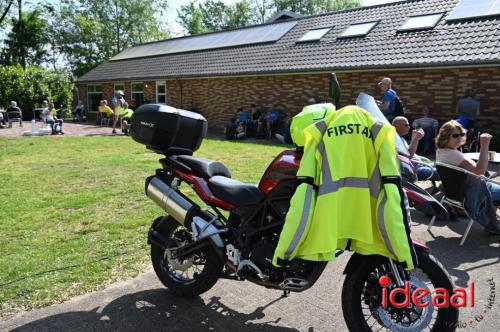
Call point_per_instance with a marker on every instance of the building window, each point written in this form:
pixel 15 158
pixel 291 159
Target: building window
pixel 137 94
pixel 161 92
pixel 94 96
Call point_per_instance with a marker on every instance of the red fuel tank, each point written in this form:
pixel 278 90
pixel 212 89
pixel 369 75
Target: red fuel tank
pixel 283 167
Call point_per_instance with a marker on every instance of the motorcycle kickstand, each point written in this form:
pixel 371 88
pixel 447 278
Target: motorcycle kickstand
pixel 286 293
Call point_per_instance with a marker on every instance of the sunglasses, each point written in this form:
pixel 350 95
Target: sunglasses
pixel 458 135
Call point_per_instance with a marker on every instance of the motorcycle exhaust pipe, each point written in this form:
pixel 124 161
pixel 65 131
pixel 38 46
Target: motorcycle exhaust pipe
pixel 175 204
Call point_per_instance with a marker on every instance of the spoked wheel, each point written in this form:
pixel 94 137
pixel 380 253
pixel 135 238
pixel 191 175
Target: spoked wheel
pixel 362 299
pixel 186 277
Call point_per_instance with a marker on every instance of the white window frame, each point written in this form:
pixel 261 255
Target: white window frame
pixel 158 83
pixel 132 91
pixel 92 93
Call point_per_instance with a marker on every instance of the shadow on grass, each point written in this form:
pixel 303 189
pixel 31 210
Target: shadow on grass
pixel 62 268
pixel 158 310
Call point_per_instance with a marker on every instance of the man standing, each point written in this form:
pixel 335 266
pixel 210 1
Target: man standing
pixel 388 102
pixel 117 103
pixel 468 107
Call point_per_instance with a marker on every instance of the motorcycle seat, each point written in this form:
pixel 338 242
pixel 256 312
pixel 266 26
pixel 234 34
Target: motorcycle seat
pixel 204 167
pixel 235 192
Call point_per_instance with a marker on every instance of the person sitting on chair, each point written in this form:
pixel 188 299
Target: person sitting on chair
pixel 450 138
pixel 425 170
pixel 15 112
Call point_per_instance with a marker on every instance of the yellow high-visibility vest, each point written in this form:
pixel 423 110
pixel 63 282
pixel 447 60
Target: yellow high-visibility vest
pixel 351 159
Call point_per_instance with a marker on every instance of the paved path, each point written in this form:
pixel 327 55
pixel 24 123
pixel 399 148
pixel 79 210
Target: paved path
pixel 143 304
pixel 69 128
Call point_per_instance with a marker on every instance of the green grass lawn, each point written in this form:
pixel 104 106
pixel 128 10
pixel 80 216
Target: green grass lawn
pixel 73 214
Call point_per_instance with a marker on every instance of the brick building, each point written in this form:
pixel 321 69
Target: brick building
pixel 432 49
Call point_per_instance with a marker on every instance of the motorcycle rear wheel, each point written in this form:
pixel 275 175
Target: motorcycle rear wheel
pixel 361 289
pixel 188 277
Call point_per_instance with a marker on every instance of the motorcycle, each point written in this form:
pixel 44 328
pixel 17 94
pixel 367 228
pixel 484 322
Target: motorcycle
pixel 191 247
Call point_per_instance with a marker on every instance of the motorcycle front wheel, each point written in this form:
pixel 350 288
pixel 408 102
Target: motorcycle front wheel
pixel 186 277
pixel 362 298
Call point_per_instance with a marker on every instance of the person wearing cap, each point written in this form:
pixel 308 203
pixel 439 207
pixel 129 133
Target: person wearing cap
pixel 117 102
pixel 388 102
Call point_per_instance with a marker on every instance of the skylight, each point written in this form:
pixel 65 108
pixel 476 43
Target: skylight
pixel 314 34
pixel 427 21
pixel 475 8
pixel 358 29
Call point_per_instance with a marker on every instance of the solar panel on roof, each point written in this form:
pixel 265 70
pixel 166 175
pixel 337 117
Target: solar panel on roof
pixel 475 8
pixel 314 34
pixel 358 29
pixel 244 36
pixel 419 22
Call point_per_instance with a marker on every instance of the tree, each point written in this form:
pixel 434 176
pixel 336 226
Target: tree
pixel 4 9
pixel 89 32
pixel 25 43
pixel 215 15
pixel 311 7
pixel 190 17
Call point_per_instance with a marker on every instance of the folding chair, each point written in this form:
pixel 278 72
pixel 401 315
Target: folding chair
pixel 15 116
pixel 453 180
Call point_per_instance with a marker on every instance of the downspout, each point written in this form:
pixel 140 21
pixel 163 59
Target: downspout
pixel 179 83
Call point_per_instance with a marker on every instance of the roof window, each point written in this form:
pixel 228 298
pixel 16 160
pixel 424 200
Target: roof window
pixel 475 8
pixel 420 22
pixel 314 34
pixel 358 29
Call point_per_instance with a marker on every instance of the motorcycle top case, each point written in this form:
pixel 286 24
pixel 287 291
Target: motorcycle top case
pixel 164 128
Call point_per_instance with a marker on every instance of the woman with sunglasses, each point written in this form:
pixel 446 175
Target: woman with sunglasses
pixel 450 138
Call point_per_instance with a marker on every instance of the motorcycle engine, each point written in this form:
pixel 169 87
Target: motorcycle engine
pixel 262 255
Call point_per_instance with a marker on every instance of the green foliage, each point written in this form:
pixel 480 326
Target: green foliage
pixel 89 32
pixel 28 87
pixel 25 43
pixel 215 15
pixel 311 7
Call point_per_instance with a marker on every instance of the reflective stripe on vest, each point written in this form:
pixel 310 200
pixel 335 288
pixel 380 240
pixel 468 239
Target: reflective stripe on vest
pixel 303 222
pixel 381 225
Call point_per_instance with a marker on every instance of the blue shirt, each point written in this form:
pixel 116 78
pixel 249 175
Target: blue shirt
pixel 389 96
pixel 468 107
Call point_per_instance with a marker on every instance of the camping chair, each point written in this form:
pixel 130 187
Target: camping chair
pixel 453 180
pixel 16 116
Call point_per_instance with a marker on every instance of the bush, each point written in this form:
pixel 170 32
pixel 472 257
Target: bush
pixel 31 86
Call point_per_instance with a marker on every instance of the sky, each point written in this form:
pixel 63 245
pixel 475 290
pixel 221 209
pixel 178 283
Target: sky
pixel 175 5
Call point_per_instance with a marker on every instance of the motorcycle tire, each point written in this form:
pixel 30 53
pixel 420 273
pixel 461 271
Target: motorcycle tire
pixel 165 265
pixel 354 289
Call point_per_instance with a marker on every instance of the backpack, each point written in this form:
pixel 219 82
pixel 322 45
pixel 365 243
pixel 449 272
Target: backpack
pixel 399 107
